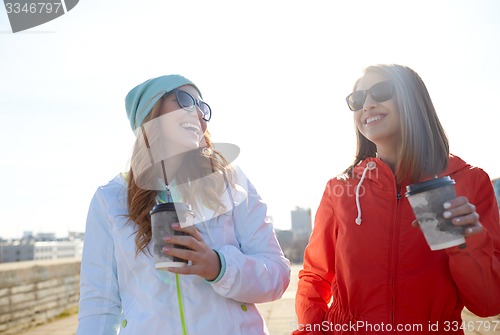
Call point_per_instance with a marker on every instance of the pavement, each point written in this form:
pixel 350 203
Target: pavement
pixel 279 315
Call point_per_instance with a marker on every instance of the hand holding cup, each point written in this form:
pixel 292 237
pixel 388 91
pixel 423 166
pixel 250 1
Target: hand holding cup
pixel 204 260
pixel 434 206
pixel 462 213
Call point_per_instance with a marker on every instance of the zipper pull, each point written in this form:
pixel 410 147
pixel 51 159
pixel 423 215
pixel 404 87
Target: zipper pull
pixel 398 196
pixel 168 195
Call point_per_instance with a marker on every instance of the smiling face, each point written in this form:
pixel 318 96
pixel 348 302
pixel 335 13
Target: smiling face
pixel 182 129
pixel 377 121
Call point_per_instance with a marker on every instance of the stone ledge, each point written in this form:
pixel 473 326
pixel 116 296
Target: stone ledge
pixel 34 292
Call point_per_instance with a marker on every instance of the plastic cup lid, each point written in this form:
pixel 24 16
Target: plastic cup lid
pixel 428 185
pixel 171 206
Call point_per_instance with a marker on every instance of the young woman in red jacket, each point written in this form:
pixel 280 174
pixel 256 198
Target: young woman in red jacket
pixel 367 269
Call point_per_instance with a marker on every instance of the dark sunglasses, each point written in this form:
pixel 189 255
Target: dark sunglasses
pixel 380 92
pixel 189 103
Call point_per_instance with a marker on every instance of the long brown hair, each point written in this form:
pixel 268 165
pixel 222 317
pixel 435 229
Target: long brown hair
pixel 141 201
pixel 424 148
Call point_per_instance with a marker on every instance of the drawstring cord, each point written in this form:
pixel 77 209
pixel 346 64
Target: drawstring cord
pixel 369 166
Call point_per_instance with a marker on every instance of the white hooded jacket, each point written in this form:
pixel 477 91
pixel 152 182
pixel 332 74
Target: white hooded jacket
pixel 124 293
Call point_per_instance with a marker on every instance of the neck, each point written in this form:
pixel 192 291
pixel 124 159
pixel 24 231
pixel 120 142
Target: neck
pixel 388 155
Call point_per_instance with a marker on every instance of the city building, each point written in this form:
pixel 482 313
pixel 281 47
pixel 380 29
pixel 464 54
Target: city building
pixel 57 249
pixel 496 186
pixel 301 221
pixel 293 242
pixel 16 251
pixel 41 246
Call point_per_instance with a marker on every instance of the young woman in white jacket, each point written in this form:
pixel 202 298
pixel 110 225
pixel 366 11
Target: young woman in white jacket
pixel 234 258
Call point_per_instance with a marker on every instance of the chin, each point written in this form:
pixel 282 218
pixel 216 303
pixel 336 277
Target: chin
pixel 192 146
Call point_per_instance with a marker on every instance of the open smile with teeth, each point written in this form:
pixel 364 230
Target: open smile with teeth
pixel 191 127
pixel 373 119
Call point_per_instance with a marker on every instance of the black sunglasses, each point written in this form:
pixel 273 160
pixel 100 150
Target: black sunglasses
pixel 189 103
pixel 380 92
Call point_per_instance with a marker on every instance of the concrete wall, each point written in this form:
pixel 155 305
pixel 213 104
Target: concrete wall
pixel 34 292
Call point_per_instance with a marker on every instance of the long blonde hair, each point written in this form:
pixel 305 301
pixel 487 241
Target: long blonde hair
pixel 424 146
pixel 208 191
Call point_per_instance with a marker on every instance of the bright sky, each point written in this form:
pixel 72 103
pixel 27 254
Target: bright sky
pixel 274 72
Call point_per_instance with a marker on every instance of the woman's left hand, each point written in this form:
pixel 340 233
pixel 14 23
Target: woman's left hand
pixel 204 261
pixel 463 213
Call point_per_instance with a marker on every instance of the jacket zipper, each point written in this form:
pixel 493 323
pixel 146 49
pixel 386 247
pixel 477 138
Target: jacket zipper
pixel 180 303
pixel 394 248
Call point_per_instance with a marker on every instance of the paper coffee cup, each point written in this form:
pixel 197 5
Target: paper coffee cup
pixel 162 218
pixel 427 199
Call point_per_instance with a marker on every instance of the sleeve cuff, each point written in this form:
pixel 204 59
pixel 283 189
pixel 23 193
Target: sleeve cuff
pixel 222 268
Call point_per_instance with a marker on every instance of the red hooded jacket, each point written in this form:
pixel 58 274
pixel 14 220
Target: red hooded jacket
pixel 380 276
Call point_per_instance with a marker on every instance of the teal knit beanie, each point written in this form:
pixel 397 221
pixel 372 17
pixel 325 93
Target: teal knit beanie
pixel 141 99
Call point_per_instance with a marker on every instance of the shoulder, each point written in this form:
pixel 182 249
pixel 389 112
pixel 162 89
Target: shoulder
pixel 108 203
pixel 471 181
pixel 236 176
pixel 459 167
pixel 238 182
pixel 113 190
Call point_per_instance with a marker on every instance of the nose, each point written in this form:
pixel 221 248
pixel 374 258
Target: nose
pixel 199 112
pixel 200 115
pixel 369 102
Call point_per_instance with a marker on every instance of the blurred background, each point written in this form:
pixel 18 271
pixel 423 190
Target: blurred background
pixel 274 72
